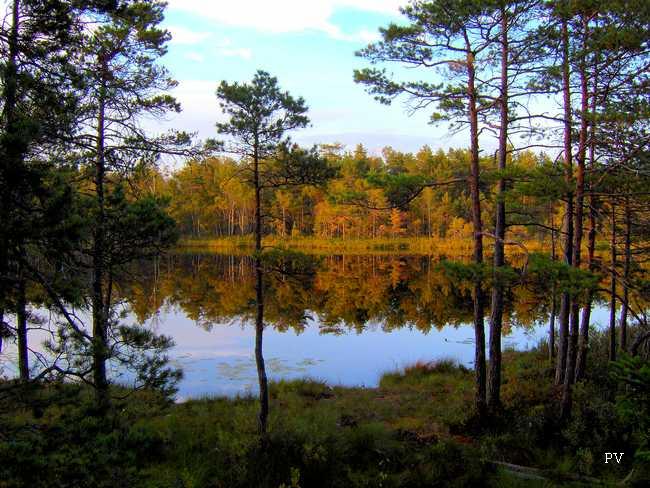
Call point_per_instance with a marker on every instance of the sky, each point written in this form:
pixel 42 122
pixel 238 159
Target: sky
pixel 310 47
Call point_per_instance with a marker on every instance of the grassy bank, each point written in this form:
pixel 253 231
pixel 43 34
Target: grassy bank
pixel 410 245
pixel 416 429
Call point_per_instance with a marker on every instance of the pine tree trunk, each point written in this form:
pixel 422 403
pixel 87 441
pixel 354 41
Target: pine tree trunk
pixel 563 331
pixel 496 315
pixel 572 349
pixel 259 297
pixel 2 327
pixel 583 340
pixel 551 326
pixel 565 303
pixel 21 319
pixel 612 300
pixel 626 274
pixel 259 355
pixel 12 153
pixel 477 295
pixel 100 321
pixel 551 323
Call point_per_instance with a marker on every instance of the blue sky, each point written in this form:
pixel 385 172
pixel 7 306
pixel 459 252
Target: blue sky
pixel 309 46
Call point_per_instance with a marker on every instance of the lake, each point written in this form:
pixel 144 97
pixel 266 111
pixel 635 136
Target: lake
pixel 346 322
pixel 342 319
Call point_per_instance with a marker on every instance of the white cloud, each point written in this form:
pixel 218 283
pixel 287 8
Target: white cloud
pixel 224 47
pixel 363 35
pixel 181 35
pixel 200 109
pixel 241 52
pixel 194 56
pixel 383 6
pixel 224 42
pixel 282 16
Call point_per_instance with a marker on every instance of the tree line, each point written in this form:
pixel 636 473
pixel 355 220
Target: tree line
pixel 210 198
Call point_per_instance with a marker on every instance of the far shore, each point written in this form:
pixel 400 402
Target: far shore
pixel 452 246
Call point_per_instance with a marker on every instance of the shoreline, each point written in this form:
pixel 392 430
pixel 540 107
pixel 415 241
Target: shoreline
pixel 425 246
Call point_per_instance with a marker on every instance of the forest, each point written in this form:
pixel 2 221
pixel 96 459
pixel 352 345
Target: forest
pixel 210 200
pixel 112 226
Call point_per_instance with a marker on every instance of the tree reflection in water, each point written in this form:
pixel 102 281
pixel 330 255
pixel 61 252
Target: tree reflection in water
pixel 345 293
pixel 337 294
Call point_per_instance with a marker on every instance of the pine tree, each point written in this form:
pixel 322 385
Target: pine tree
pixel 124 82
pixel 446 36
pixel 259 115
pixel 39 83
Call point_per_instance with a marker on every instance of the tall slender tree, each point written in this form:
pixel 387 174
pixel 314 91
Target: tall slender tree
pixel 444 36
pixel 39 82
pixel 259 116
pixel 513 66
pixel 124 83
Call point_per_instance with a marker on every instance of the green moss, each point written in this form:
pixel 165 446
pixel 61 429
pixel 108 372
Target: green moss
pixel 416 429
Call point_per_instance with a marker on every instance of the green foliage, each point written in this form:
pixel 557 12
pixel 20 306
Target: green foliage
pixel 294 166
pixel 633 373
pixel 143 352
pixel 526 383
pixel 214 443
pixel 460 272
pixel 71 447
pixel 40 90
pixel 259 114
pixel 595 427
pixel 465 272
pixel 399 189
pixel 407 433
pixel 545 181
pixel 423 372
pixel 137 229
pixel 305 388
pixel 542 270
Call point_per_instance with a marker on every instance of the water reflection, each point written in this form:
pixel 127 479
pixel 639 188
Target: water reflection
pixel 343 293
pixel 345 319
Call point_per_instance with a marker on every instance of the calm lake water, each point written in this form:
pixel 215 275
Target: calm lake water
pixel 342 319
pixel 352 319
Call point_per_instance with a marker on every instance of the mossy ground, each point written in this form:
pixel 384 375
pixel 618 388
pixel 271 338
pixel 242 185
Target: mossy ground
pixel 417 428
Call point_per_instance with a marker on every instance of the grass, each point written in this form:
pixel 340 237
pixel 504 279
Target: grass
pixel 394 435
pixel 417 428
